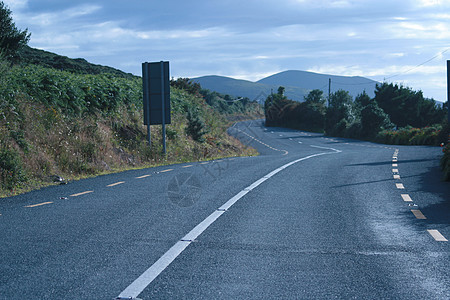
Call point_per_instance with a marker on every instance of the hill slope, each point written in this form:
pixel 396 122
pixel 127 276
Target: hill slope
pixel 28 55
pixel 87 120
pixel 297 84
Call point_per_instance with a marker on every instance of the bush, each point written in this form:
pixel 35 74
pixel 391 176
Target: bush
pixel 11 171
pixel 411 136
pixel 196 127
pixel 72 94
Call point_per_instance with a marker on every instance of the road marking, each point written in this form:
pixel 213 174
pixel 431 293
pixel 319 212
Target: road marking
pixel 437 235
pixel 275 149
pixel 400 186
pixel 418 214
pixel 114 184
pixel 300 142
pixel 143 176
pixel 396 176
pixel 39 204
pixel 83 193
pixel 188 166
pixel 137 286
pixel 395 165
pixel 204 163
pixel 395 170
pixel 168 170
pixel 406 198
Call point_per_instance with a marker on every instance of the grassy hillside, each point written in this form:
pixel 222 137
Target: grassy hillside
pixel 56 123
pixel 28 55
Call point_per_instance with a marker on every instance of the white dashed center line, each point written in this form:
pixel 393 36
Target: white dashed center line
pixel 114 184
pixel 39 204
pixel 418 214
pixel 143 176
pixel 83 193
pixel 437 235
pixel 400 186
pixel 406 198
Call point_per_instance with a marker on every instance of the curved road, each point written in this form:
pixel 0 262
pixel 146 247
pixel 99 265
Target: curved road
pixel 310 218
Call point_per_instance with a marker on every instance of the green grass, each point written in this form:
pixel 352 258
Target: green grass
pixel 75 126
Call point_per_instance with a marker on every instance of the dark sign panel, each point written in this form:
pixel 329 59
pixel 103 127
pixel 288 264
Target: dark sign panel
pixel 155 79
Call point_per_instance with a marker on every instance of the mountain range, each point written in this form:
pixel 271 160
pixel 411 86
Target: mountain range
pixel 297 85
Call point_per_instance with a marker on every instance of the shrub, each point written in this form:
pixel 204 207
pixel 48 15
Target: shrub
pixel 11 171
pixel 196 127
pixel 411 136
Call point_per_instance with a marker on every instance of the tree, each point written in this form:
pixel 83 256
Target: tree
pixel 312 112
pixel 407 107
pixel 11 38
pixel 374 120
pixel 315 96
pixel 362 100
pixel 340 113
pixel 274 107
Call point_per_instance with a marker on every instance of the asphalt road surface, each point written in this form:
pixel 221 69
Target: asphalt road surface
pixel 310 218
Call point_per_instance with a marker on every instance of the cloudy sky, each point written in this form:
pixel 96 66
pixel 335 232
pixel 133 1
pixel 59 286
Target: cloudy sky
pixel 398 41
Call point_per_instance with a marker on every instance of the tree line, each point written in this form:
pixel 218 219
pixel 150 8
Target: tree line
pixel 393 107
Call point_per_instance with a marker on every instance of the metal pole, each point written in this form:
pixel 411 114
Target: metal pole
pixel 329 91
pixel 163 108
pixel 448 89
pixel 146 100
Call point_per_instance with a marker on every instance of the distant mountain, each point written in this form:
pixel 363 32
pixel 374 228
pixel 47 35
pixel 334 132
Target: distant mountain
pixel 297 84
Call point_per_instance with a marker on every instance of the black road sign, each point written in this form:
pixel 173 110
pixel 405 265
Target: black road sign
pixel 156 86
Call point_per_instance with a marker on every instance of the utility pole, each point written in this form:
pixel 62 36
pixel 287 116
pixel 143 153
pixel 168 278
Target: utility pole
pixel 329 91
pixel 448 89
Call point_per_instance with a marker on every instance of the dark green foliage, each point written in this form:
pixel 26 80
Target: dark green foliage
pixel 31 56
pixel 73 94
pixel 361 101
pixel 373 120
pixel 361 119
pixel 11 38
pixel 315 97
pixel 228 105
pixel 309 115
pixel 340 113
pixel 196 127
pixel 11 170
pixel 407 107
pixel 186 84
pixel 275 107
pixel 411 136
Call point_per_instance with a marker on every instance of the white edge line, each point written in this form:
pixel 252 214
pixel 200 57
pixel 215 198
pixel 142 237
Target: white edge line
pixel 137 286
pixel 151 273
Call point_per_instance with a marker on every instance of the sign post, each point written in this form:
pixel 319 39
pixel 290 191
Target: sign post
pixel 156 100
